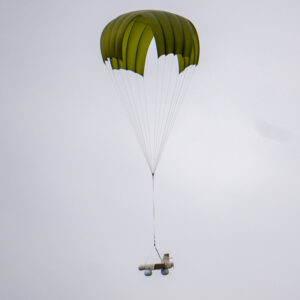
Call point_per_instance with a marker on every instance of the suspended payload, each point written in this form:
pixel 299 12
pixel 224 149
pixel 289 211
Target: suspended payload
pixel 151 56
pixel 164 265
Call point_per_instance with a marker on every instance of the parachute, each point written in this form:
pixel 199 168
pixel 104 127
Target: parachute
pixel 152 88
pixel 152 105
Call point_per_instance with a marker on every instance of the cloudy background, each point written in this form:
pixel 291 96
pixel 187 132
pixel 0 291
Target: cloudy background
pixel 75 191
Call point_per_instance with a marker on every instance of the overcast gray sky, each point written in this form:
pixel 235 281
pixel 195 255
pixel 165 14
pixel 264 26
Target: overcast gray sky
pixel 75 191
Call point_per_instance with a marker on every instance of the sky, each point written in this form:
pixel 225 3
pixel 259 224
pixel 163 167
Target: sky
pixel 75 190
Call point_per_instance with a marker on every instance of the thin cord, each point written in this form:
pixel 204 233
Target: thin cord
pixel 174 110
pixel 165 103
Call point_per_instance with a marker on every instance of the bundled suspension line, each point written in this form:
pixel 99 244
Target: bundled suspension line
pixel 154 217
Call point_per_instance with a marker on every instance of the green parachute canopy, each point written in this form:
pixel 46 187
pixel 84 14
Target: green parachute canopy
pixel 126 39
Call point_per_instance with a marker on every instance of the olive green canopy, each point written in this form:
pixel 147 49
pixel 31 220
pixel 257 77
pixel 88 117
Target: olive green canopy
pixel 126 39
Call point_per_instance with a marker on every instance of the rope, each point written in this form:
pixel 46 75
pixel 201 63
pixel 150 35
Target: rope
pixel 154 217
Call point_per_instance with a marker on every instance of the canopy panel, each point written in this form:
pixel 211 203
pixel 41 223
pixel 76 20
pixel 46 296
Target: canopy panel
pixel 126 39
